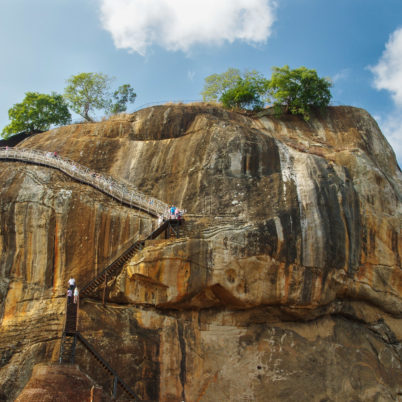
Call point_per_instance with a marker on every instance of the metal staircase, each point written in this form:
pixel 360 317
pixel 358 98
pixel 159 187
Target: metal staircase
pixel 117 381
pixel 71 317
pixel 124 193
pixel 116 266
pixel 68 349
pixel 68 339
pixel 70 333
pixel 112 269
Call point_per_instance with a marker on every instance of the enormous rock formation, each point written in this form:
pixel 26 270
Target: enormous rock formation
pixel 284 284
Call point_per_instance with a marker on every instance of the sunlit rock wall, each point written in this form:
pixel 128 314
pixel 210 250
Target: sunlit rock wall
pixel 284 281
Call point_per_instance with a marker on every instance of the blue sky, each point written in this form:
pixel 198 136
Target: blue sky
pixel 165 48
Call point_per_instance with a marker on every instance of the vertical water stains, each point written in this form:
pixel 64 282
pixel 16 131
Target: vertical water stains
pixel 290 221
pixel 183 358
pixel 352 216
pixel 50 263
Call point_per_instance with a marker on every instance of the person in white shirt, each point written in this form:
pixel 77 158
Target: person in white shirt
pixel 71 283
pixel 76 295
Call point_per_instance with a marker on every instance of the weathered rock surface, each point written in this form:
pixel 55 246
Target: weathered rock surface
pixel 62 383
pixel 284 283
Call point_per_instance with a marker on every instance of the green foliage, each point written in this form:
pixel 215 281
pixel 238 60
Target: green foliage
pixel 236 90
pixel 37 112
pixel 217 84
pixel 246 93
pixel 295 91
pixel 123 95
pixel 87 92
pixel 298 90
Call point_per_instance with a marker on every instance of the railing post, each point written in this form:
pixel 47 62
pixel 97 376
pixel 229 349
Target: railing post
pixel 104 291
pixel 115 386
pixel 73 351
pixel 77 312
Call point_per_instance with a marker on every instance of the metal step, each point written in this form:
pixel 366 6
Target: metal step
pixel 67 348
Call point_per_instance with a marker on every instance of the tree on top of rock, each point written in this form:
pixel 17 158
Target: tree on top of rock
pixel 235 89
pixel 291 91
pixel 123 95
pixel 88 92
pixel 298 90
pixel 37 112
pixel 217 84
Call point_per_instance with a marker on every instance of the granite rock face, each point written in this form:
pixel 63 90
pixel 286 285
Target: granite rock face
pixel 285 279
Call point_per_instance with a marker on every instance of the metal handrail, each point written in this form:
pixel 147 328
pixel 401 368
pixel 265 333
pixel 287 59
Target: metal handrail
pixel 116 377
pixel 114 264
pixel 121 191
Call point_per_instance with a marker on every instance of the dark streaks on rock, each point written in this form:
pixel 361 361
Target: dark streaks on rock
pixel 183 358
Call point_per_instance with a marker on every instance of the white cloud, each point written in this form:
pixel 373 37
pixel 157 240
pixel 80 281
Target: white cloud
pixel 388 71
pixel 341 75
pixel 388 75
pixel 178 24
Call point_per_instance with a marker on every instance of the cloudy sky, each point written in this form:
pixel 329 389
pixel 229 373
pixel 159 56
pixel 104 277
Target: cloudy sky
pixel 165 48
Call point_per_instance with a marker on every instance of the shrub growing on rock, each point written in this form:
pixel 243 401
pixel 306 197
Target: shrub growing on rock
pixel 37 112
pixel 87 92
pixel 292 91
pixel 298 90
pixel 236 90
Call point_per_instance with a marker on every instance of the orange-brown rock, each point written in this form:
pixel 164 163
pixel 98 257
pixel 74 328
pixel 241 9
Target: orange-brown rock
pixel 284 283
pixel 62 383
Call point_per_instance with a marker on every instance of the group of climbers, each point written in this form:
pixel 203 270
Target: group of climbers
pixel 175 213
pixel 172 213
pixel 52 154
pixel 72 292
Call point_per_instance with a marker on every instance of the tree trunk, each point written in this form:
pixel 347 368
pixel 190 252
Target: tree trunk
pixel 86 115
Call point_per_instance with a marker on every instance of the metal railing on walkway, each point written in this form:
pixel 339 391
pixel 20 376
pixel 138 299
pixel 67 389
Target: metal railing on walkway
pixel 122 192
pixel 114 268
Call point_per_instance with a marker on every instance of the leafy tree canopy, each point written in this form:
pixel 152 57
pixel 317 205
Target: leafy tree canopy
pixel 87 92
pixel 123 95
pixel 217 84
pixel 37 112
pixel 236 89
pixel 298 90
